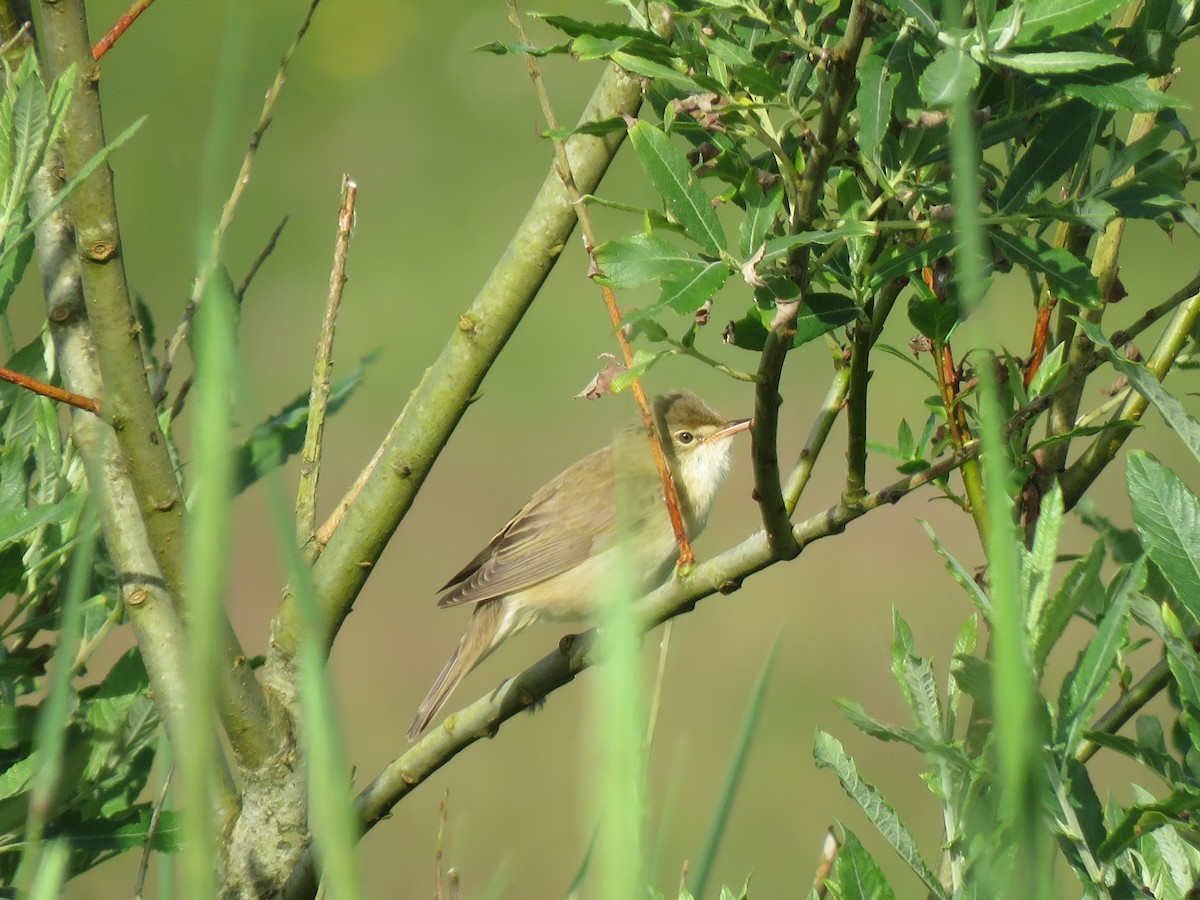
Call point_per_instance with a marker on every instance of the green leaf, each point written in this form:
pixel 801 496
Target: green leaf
pixel 1081 588
pixel 1112 89
pixel 821 313
pixel 1065 135
pixel 1057 62
pixel 829 754
pixel 1141 818
pixel 900 261
pixel 30 123
pixel 762 208
pixel 856 875
pixel 1045 19
pixel 643 362
pixel 501 48
pixel 919 10
pixel 1168 406
pixel 875 91
pixel 1066 275
pixel 671 175
pixel 687 293
pixel 965 579
pixel 934 318
pixel 1167 515
pixel 270 443
pixel 649 69
pixel 634 260
pixel 1087 681
pixel 952 74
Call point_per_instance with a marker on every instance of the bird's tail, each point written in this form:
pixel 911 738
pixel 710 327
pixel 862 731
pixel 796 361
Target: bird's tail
pixel 490 624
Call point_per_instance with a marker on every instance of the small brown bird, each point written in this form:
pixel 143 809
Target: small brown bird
pixel 552 559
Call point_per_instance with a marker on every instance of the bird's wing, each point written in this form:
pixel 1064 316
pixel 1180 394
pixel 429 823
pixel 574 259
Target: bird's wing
pixel 549 536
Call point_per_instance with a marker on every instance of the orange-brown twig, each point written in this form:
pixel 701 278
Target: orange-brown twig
pixel 670 494
pixel 128 18
pixel 1041 334
pixel 49 390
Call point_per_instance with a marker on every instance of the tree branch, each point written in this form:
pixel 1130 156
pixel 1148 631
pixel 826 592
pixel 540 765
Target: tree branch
pixel 768 488
pixel 141 447
pixel 146 598
pixel 318 402
pixel 383 496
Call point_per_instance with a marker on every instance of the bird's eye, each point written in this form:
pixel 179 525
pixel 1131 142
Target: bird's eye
pixel 685 437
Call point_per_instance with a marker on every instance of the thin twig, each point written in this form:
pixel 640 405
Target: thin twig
pixel 269 248
pixel 139 883
pixel 87 404
pixel 829 851
pixel 670 494
pixel 209 264
pixel 262 257
pixel 664 651
pixel 318 398
pixel 122 24
pixel 437 851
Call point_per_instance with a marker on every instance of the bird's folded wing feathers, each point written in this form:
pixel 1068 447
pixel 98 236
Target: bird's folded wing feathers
pixel 546 538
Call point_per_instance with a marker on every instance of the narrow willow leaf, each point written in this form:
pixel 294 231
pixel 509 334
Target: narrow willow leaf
pixel 1065 135
pixel 1167 515
pixel 672 176
pixel 272 442
pixel 1113 89
pixel 1057 62
pixel 1168 406
pixel 1044 19
pixel 856 875
pixel 30 125
pixel 1067 277
pixel 1039 563
pixel 1081 588
pixel 875 91
pixel 1158 761
pixel 829 754
pixel 965 579
pixel 1087 681
pixel 1141 818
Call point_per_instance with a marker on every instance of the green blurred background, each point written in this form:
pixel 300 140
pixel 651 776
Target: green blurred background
pixel 442 143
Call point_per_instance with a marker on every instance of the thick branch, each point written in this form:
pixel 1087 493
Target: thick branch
pixel 147 600
pixel 416 438
pixel 768 488
pixel 141 447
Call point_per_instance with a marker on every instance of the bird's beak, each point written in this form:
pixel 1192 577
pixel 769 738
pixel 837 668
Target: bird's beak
pixel 729 429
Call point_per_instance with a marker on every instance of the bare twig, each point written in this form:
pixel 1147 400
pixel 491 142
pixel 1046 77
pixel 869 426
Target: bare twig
pixel 119 27
pixel 670 494
pixel 829 852
pixel 139 883
pixel 87 404
pixel 209 263
pixel 269 248
pixel 437 852
pixel 664 651
pixel 262 257
pixel 318 401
